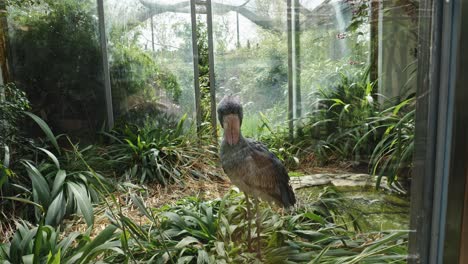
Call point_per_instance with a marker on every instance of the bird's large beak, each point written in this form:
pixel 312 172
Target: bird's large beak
pixel 231 125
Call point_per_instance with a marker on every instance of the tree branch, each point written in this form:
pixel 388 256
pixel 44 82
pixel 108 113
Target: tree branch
pixel 264 22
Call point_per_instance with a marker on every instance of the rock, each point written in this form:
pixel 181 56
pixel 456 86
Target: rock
pixel 346 179
pixel 346 182
pixel 309 181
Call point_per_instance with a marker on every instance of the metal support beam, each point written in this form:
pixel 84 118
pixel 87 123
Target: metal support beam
pixel 105 65
pixel 209 21
pixel 4 71
pixel 290 73
pixel 422 180
pixel 374 40
pixel 237 27
pixel 297 65
pixel 196 74
pixel 152 33
pixel 440 137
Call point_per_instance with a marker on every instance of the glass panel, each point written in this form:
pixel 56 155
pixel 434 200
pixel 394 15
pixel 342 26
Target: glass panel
pixel 333 44
pixel 151 62
pixel 56 58
pixel 347 70
pixel 357 81
pixel 251 59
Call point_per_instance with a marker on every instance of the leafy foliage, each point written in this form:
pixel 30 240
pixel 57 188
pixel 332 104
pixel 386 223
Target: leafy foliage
pixel 63 36
pixel 349 123
pixel 46 244
pixel 216 232
pixel 134 71
pixel 338 118
pixel 61 193
pixel 151 153
pixel 393 154
pixel 13 102
pixel 58 192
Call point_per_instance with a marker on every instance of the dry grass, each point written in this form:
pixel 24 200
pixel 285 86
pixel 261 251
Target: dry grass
pixel 154 196
pixel 310 165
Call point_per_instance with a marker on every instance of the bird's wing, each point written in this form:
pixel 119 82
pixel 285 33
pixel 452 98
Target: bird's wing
pixel 269 175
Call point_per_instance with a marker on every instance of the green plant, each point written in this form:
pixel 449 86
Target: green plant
pixel 64 36
pixel 393 154
pixel 216 232
pixel 278 142
pixel 135 72
pixel 58 191
pixel 13 102
pixel 61 193
pixel 339 119
pixel 150 153
pixel 13 142
pixel 45 244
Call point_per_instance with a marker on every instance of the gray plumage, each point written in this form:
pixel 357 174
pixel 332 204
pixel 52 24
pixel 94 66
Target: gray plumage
pixel 251 166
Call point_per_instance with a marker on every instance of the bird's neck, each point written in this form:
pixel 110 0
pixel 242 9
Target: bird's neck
pixel 241 141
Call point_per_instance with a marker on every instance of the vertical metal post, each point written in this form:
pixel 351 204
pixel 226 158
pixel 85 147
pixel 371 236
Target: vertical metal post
pixel 290 73
pixel 374 40
pixel 152 33
pixel 209 18
pixel 297 56
pixel 5 73
pixel 105 65
pixel 196 74
pixel 238 35
pixel 423 175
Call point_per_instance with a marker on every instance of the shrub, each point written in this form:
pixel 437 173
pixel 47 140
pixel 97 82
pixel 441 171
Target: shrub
pixel 45 244
pixel 153 153
pixel 57 58
pixel 392 156
pixel 12 139
pixel 134 71
pixel 338 119
pixel 216 232
pixel 61 193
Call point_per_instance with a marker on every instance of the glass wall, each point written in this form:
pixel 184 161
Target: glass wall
pixel 345 72
pixel 151 62
pixel 331 42
pixel 251 58
pixel 56 59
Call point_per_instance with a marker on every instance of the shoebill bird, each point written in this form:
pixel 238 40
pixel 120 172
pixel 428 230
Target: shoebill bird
pixel 251 166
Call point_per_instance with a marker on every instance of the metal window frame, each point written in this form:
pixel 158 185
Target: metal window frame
pixel 209 22
pixel 196 74
pixel 105 65
pixel 106 73
pixel 297 66
pixel 290 71
pixel 439 176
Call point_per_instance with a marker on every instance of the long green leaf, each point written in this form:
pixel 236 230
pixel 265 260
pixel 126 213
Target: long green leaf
pixel 40 185
pixel 56 210
pixel 101 239
pixel 24 201
pixel 187 241
pixel 83 202
pixel 58 182
pixel 38 243
pixel 51 156
pixel 46 129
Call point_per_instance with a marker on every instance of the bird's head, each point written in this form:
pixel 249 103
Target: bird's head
pixel 230 117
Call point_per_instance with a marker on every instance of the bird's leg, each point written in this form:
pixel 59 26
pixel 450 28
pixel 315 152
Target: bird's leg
pixel 259 253
pixel 249 218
